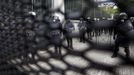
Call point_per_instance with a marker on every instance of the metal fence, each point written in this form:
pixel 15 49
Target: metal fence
pixel 24 47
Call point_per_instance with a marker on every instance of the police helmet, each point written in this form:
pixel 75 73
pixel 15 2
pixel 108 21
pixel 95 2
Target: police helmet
pixel 123 15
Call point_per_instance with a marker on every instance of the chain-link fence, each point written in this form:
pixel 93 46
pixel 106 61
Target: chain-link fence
pixel 26 49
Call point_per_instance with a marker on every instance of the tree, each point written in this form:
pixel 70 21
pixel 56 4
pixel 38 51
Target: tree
pixel 126 6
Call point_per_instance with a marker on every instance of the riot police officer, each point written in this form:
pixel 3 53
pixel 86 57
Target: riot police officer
pixel 82 30
pixel 123 26
pixel 68 29
pixel 132 20
pixel 89 28
pixel 29 33
pixel 54 33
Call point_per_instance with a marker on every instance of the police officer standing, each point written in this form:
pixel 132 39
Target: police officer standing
pixel 123 26
pixel 68 29
pixel 82 30
pixel 54 33
pixel 89 28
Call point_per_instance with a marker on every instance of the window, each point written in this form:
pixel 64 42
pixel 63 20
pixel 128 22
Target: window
pixel 38 5
pixel 74 6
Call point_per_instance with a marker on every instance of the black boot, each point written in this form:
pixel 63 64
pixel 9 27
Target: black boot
pixel 127 53
pixel 116 49
pixel 114 55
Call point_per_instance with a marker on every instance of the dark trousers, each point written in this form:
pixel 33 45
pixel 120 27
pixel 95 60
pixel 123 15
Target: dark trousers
pixel 126 49
pixel 57 49
pixel 82 36
pixel 57 43
pixel 70 42
pixel 89 35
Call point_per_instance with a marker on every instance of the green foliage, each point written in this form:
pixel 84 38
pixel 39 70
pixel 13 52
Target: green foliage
pixel 109 10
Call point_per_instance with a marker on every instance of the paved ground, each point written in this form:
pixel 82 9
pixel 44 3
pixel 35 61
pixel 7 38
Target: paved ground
pixel 82 60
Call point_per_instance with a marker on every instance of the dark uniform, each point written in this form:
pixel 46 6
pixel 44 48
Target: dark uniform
pixel 122 27
pixel 54 34
pixel 89 28
pixel 68 29
pixel 29 34
pixel 82 30
pixel 132 20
